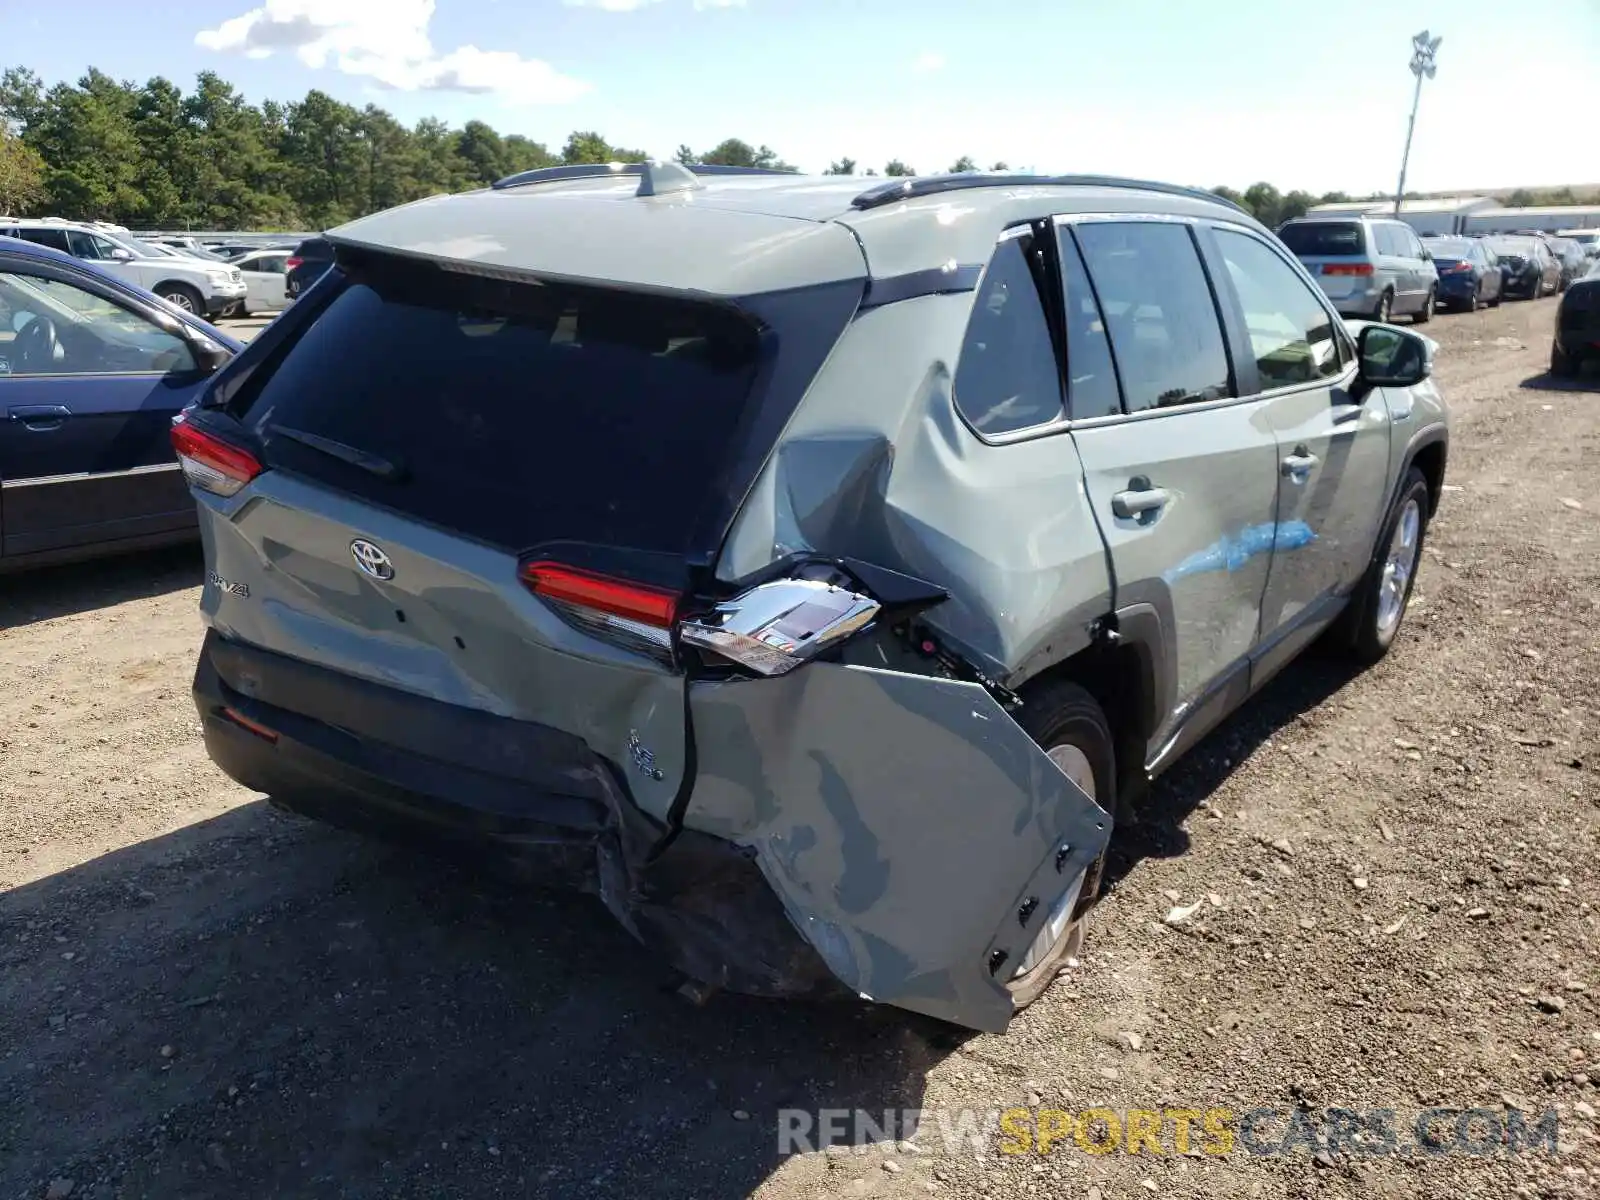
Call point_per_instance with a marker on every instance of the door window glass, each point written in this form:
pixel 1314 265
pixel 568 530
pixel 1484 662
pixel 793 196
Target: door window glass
pixel 1159 311
pixel 1291 334
pixel 1091 375
pixel 48 327
pixel 1007 378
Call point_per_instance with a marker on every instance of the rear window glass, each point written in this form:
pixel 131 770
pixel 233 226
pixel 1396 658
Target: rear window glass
pixel 1517 246
pixel 1449 247
pixel 514 413
pixel 1324 239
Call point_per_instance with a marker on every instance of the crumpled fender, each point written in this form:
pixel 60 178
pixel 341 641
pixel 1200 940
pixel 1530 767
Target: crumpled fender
pixel 914 833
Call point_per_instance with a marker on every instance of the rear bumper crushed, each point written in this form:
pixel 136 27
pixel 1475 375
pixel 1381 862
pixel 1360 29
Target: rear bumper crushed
pixel 896 833
pixel 531 800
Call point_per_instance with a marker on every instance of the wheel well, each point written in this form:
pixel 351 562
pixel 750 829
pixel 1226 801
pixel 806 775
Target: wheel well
pixel 1430 461
pixel 171 284
pixel 1120 677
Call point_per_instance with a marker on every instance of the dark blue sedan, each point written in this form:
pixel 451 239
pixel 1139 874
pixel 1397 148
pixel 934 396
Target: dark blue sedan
pixel 1469 272
pixel 92 371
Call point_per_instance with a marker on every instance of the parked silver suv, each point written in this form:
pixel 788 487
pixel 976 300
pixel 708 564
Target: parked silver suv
pixel 1368 266
pixel 812 572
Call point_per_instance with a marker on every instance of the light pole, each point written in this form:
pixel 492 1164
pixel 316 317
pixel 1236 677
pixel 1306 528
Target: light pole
pixel 1423 50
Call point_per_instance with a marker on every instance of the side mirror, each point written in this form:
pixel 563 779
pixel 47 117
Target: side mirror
pixel 209 356
pixel 1392 357
pixel 121 255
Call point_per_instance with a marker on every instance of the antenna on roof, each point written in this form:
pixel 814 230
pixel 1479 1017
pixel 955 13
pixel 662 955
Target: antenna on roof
pixel 660 178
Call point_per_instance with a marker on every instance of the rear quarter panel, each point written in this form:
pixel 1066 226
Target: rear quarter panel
pixel 877 464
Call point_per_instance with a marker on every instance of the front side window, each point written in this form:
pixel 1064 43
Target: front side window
pixel 1007 378
pixel 1292 337
pixel 57 328
pixel 1159 312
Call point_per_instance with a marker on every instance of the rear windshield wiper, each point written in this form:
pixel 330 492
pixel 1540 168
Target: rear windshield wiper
pixel 373 464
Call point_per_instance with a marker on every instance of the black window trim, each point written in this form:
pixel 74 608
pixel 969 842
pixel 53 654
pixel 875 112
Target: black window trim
pixel 1237 321
pixel 1208 268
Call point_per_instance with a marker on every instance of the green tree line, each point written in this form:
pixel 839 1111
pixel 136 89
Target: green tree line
pixel 150 155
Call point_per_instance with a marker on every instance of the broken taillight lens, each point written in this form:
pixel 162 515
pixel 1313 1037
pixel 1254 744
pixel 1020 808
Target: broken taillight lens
pixel 775 627
pixel 211 464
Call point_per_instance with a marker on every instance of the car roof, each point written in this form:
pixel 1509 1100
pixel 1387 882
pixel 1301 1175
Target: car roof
pixel 749 232
pixel 14 247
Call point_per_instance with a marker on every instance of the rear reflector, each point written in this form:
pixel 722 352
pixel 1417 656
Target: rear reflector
pixel 255 727
pixel 211 464
pixel 1347 268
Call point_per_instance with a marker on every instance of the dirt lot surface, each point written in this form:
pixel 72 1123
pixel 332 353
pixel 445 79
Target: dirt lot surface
pixel 200 997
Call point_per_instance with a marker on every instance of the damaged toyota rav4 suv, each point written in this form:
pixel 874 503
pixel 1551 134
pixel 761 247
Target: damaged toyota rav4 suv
pixel 808 571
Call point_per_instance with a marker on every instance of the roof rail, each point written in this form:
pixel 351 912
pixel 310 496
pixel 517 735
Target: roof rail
pixel 932 185
pixel 616 170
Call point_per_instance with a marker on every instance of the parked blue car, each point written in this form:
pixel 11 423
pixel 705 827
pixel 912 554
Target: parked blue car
pixel 92 372
pixel 1469 271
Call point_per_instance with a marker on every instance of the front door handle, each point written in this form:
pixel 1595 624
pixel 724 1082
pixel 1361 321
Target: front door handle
pixel 1298 465
pixel 40 417
pixel 1135 503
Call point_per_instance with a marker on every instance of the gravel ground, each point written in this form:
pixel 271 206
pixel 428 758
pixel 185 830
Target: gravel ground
pixel 200 997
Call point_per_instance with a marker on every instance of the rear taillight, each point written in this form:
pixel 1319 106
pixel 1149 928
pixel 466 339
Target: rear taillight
pixel 1347 268
pixel 211 464
pixel 1459 268
pixel 293 261
pixel 634 615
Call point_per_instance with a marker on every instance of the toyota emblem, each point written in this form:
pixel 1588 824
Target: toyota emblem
pixel 371 559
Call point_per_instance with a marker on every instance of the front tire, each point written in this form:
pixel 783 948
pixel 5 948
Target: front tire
pixel 1069 724
pixel 183 296
pixel 1372 619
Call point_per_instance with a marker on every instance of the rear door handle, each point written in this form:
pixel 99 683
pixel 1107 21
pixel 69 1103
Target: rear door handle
pixel 40 417
pixel 1137 503
pixel 1298 465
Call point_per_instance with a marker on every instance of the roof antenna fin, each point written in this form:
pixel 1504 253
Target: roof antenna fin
pixel 661 178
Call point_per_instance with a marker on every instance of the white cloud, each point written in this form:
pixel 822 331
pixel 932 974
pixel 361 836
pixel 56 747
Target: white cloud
pixel 705 4
pixel 386 41
pixel 928 62
pixel 609 5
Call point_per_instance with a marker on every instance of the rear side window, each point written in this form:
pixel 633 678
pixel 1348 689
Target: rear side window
pixel 1292 337
pixel 1159 311
pixel 1325 239
pixel 1007 378
pixel 514 413
pixel 56 239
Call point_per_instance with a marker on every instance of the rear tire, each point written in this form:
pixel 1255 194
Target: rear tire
pixel 1472 301
pixel 1069 724
pixel 1425 313
pixel 1385 308
pixel 1562 364
pixel 184 297
pixel 1371 621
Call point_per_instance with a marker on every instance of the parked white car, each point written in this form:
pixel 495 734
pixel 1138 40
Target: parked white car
pixel 264 272
pixel 194 285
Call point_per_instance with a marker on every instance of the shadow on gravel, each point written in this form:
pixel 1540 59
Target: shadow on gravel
pixel 1158 830
pixel 1586 381
pixel 39 595
pixel 257 1006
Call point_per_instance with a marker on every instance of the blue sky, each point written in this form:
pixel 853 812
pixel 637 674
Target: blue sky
pixel 1302 95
